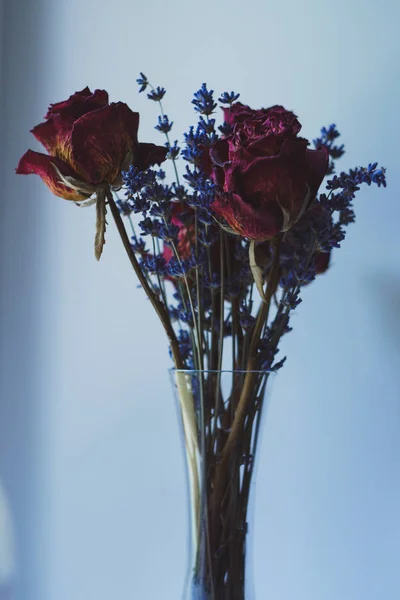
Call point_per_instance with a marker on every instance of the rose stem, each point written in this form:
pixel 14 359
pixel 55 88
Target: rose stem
pixel 262 318
pixel 158 306
pixel 221 333
pixel 246 396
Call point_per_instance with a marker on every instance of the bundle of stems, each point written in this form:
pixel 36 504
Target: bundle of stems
pixel 221 432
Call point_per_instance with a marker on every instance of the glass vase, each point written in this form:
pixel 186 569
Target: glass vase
pixel 220 414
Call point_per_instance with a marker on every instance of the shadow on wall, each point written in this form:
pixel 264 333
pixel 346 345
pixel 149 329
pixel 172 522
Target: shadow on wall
pixel 25 29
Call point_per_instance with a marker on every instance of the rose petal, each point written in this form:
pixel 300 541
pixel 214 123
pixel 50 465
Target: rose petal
pixel 294 151
pixel 282 122
pixel 219 153
pixel 321 261
pixel 79 104
pixel 168 253
pixel 57 106
pixel 269 181
pixel 258 224
pixel 55 135
pixel 272 184
pixel 181 214
pixel 215 158
pixel 318 163
pixel 267 145
pixel 101 140
pixel 43 165
pixel 149 155
pixel 237 113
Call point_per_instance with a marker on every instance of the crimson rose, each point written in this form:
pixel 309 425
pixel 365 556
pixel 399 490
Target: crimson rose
pixel 89 142
pixel 267 176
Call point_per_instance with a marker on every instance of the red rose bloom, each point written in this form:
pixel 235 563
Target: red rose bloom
pixel 89 142
pixel 266 174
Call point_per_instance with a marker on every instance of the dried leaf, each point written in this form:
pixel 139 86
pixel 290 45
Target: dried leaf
pixel 82 187
pixel 288 222
pixel 226 228
pixel 101 212
pixel 85 203
pixel 257 271
pixel 305 204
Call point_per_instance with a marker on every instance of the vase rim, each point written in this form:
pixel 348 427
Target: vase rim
pixel 193 371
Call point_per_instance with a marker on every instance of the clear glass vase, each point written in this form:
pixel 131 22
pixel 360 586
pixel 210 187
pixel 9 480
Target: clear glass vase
pixel 220 414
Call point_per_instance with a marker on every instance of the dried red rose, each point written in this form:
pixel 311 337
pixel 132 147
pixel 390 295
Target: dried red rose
pixel 89 141
pixel 266 174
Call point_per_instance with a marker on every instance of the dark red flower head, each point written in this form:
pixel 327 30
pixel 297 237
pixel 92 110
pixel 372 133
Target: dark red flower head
pixel 266 175
pixel 89 142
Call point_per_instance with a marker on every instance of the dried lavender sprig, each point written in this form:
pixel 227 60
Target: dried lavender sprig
pixel 157 94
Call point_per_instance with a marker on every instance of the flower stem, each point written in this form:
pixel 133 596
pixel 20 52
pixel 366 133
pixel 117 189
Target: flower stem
pixel 247 393
pixel 252 364
pixel 157 305
pixel 167 136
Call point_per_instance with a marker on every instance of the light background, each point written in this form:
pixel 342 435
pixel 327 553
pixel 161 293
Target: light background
pixel 89 449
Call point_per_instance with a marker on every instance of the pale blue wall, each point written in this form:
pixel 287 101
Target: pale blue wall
pixel 84 385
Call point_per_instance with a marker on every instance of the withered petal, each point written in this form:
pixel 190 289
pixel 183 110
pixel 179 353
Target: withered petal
pixel 78 104
pixel 55 132
pixel 321 261
pixel 43 165
pixel 149 155
pixel 219 153
pixel 55 135
pixel 58 106
pixel 318 163
pixel 101 139
pixel 253 223
pixel 46 134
